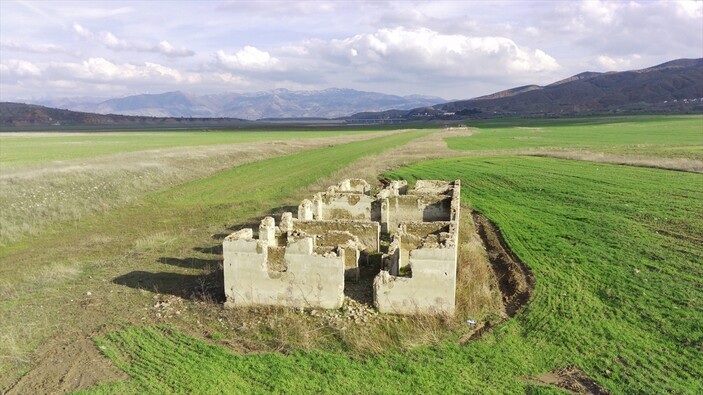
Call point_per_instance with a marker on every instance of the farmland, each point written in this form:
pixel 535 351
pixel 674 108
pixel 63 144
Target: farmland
pixel 615 251
pixel 671 137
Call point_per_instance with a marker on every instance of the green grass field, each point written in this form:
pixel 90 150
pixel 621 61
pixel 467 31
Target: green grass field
pixel 40 277
pixel 619 293
pixel 27 149
pixel 616 252
pixel 680 137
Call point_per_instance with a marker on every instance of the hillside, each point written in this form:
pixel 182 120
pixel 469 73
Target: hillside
pixel 20 114
pixel 279 103
pixel 665 87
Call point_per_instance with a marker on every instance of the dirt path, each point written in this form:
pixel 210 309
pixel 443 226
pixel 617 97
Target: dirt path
pixel 429 147
pixel 70 361
pixel 64 362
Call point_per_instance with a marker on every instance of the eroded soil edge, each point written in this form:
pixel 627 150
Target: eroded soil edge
pixel 516 283
pixel 515 280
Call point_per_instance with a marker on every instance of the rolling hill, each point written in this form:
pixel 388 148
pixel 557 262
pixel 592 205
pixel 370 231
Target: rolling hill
pixel 665 87
pixel 20 114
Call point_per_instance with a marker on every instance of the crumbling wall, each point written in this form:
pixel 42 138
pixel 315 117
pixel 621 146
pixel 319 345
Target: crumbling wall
pixel 431 289
pixel 305 261
pixel 368 233
pixel 333 240
pixel 332 205
pixel 300 279
pixel 419 271
pixel 429 201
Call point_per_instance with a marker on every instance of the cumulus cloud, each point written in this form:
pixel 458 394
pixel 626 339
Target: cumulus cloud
pixel 448 48
pixel 423 50
pixel 618 63
pixel 110 41
pixel 99 70
pixel 249 58
pixel 692 9
pixel 19 68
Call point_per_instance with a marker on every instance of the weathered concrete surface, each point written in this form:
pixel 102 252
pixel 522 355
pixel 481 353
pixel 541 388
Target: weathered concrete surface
pixel 419 270
pixel 431 285
pixel 329 206
pixel 308 279
pixel 431 289
pixel 368 233
pixel 305 261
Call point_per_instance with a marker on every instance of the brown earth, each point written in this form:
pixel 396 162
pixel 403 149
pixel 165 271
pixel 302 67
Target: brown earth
pixel 572 379
pixel 514 279
pixel 66 366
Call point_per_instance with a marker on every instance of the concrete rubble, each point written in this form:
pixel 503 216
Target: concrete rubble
pixel 304 262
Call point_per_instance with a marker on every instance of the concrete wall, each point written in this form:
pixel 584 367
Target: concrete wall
pixel 430 290
pixel 329 206
pixel 305 279
pixel 304 261
pixel 414 208
pixel 419 273
pixel 368 233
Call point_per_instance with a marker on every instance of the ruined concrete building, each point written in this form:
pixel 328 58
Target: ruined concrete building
pixel 305 261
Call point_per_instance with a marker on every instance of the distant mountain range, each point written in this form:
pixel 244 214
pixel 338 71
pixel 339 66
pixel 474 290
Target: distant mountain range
pixel 674 86
pixel 279 103
pixel 20 115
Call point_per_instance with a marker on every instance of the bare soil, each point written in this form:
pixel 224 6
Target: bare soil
pixel 66 366
pixel 571 379
pixel 515 280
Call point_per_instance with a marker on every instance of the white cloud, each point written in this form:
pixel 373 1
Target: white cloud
pixel 81 31
pixel 100 69
pixel 690 9
pixel 604 12
pixel 449 48
pixel 19 68
pixel 39 48
pixel 110 41
pixel 249 58
pixel 97 70
pixel 423 50
pixel 618 63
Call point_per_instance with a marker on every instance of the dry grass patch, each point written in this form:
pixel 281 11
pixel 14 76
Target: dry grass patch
pixel 36 198
pixel 432 146
pixel 681 164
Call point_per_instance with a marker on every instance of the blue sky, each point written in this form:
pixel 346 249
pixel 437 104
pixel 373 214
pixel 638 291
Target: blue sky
pixel 452 49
